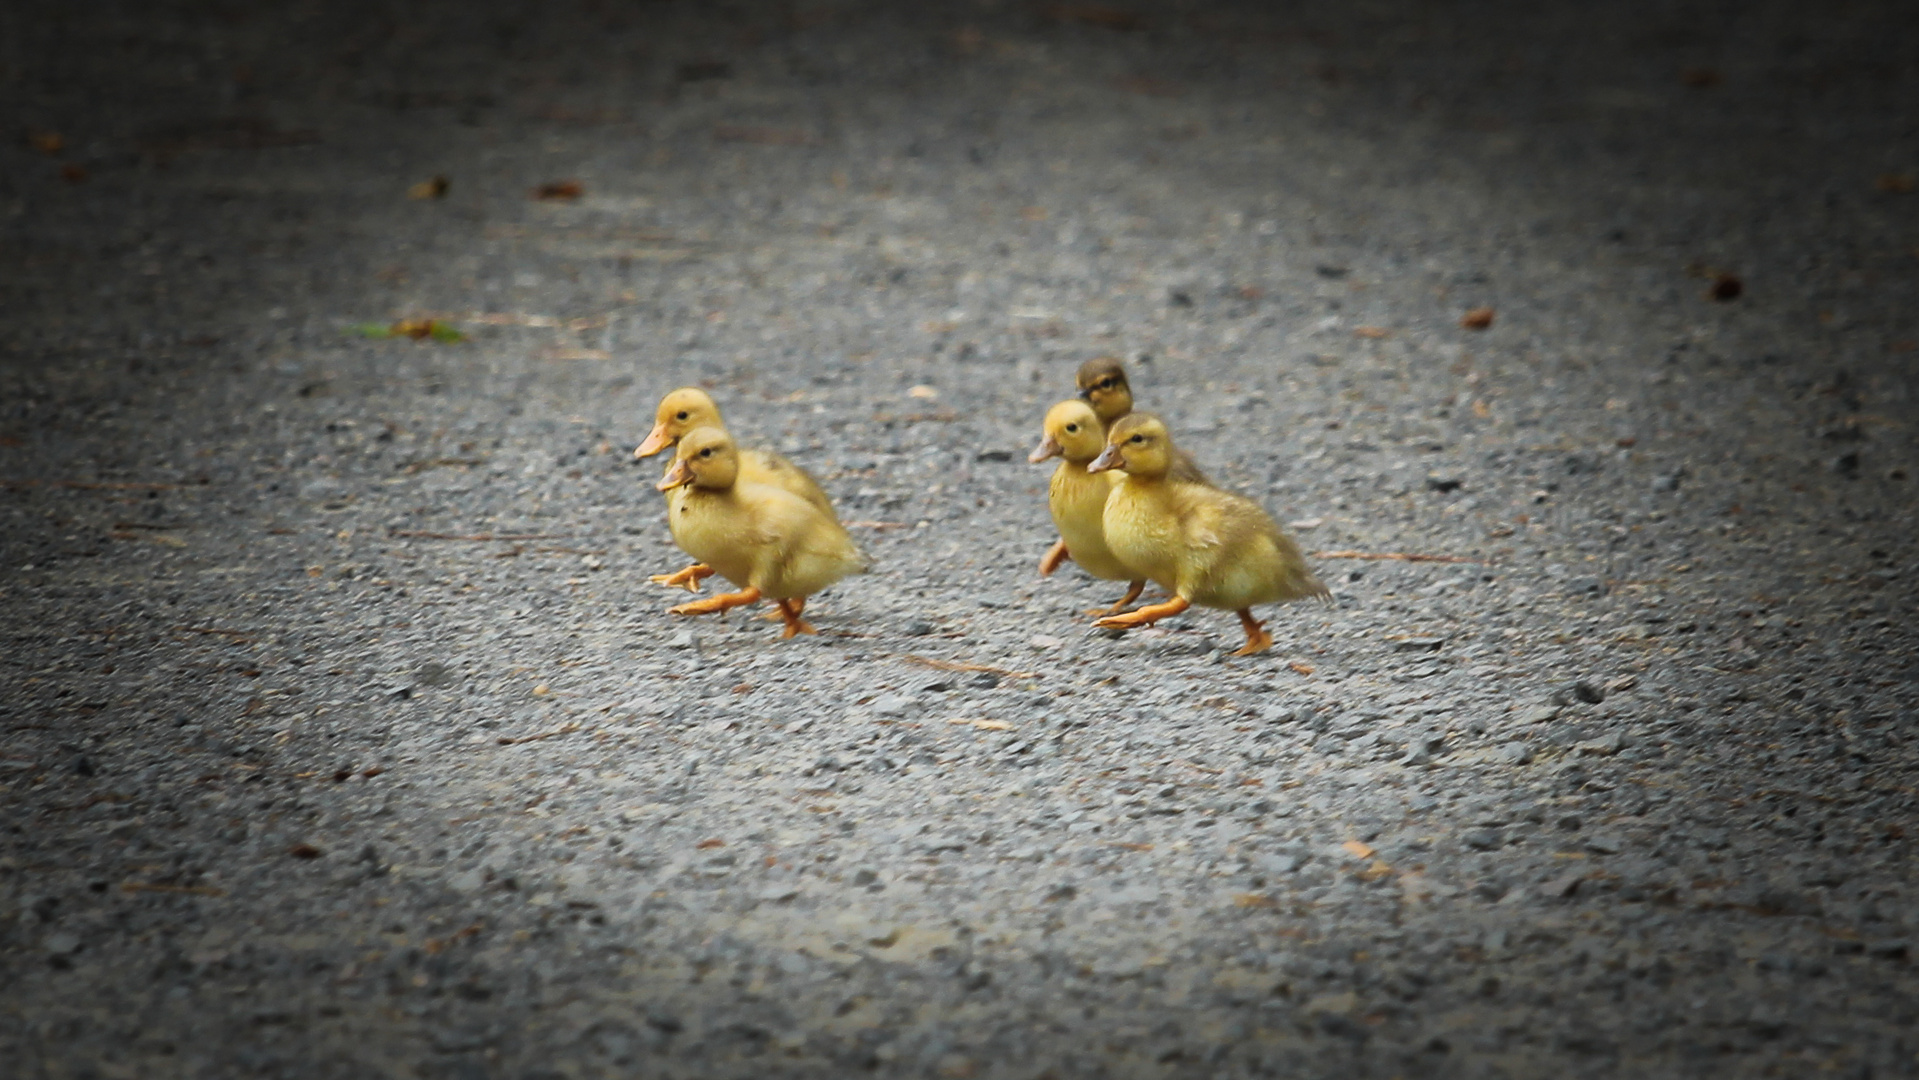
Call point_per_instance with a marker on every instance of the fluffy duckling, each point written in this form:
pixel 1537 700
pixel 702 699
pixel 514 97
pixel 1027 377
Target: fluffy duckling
pixel 1077 499
pixel 1102 384
pixel 688 408
pixel 770 542
pixel 1202 545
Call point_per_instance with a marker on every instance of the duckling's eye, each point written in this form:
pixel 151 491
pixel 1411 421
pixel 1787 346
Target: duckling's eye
pixel 681 415
pixel 1137 439
pixel 708 452
pixel 1072 427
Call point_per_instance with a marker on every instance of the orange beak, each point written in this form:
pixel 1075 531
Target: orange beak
pixel 1048 447
pixel 656 441
pixel 677 476
pixel 1108 459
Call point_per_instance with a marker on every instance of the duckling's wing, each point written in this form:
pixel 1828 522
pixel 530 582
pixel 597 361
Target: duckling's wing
pixel 782 473
pixel 804 544
pixel 1186 470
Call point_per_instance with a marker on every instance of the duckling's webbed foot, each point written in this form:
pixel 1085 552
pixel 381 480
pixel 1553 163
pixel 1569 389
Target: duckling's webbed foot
pixel 688 579
pixel 1145 616
pixel 790 611
pixel 1054 556
pixel 1257 639
pixel 779 613
pixel 722 602
pixel 1124 602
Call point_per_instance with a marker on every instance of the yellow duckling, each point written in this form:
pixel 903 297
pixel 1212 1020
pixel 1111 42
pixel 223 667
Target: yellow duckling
pixel 770 542
pixel 1202 545
pixel 1102 384
pixel 1078 499
pixel 688 408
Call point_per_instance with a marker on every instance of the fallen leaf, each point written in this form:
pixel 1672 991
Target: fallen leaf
pixel 417 329
pixel 992 725
pixel 710 842
pixel 559 191
pixel 304 851
pixel 47 142
pixel 1357 850
pixel 1374 872
pixel 73 174
pixel 1478 318
pixel 542 690
pixel 1254 900
pixel 1897 183
pixel 1726 287
pixel 1481 409
pixel 925 393
pixel 1395 556
pixel 434 188
pixel 1374 333
pixel 1303 669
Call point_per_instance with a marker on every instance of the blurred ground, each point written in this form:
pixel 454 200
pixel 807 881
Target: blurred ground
pixel 342 734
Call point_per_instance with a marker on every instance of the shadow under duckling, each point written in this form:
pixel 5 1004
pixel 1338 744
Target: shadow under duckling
pixel 1077 499
pixel 1102 384
pixel 690 408
pixel 1202 545
pixel 766 540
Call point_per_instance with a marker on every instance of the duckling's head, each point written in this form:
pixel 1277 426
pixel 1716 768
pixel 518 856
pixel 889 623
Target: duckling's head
pixel 1102 384
pixel 1072 432
pixel 681 411
pixel 707 459
pixel 1138 444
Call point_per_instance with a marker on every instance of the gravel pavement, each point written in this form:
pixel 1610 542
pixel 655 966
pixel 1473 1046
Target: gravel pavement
pixel 342 735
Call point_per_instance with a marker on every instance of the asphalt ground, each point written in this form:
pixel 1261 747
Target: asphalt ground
pixel 343 735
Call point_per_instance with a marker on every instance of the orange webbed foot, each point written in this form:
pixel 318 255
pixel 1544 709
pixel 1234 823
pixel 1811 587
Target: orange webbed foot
pixel 1145 616
pixel 1054 556
pixel 1124 602
pixel 688 579
pixel 1257 639
pixel 789 610
pixel 711 604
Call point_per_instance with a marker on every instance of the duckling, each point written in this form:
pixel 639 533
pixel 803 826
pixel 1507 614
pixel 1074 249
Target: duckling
pixel 1078 498
pixel 1102 384
pixel 764 539
pixel 1202 545
pixel 690 407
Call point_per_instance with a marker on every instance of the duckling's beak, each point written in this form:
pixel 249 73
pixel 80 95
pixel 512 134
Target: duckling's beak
pixel 656 441
pixel 1048 447
pixel 679 475
pixel 1108 459
pixel 1086 394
